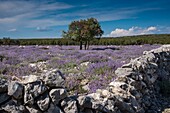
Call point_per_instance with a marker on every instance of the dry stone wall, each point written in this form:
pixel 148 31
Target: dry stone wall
pixel 135 90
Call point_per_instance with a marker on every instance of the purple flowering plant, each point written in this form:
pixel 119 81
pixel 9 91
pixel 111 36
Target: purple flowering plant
pixel 97 65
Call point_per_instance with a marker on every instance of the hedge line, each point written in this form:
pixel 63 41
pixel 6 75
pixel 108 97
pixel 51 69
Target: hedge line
pixel 128 40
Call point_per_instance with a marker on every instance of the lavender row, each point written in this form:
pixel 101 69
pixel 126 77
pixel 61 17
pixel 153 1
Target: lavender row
pixel 85 70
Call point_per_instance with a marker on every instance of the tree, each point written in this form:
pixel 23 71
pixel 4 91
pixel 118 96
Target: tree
pixel 74 32
pixel 1 42
pixel 93 30
pixel 84 31
pixel 6 41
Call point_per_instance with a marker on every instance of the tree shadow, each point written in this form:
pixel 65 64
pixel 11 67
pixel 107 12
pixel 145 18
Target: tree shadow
pixel 105 48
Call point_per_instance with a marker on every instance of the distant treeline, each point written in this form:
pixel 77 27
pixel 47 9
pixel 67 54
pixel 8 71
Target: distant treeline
pixel 128 40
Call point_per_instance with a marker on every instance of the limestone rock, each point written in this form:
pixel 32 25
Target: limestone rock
pixel 12 107
pixel 87 111
pixel 69 105
pixel 30 79
pixel 129 65
pixel 95 96
pixel 124 107
pixel 57 95
pixel 100 106
pixel 15 89
pixel 118 87
pixel 53 78
pixel 85 64
pixel 86 87
pixel 139 64
pixel 134 103
pixel 43 101
pixel 167 110
pixel 54 109
pixel 150 57
pixel 106 94
pixel 91 103
pixel 4 97
pixel 33 109
pixel 28 98
pixel 84 81
pixel 122 72
pixel 3 85
pixel 33 90
pixel 150 79
pixel 110 105
pixel 117 84
pixel 135 93
pixel 84 101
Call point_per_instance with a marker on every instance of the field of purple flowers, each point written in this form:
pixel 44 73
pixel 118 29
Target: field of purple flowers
pixel 84 70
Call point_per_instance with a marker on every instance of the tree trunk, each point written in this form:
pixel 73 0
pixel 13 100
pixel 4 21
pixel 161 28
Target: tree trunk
pixel 85 45
pixel 81 43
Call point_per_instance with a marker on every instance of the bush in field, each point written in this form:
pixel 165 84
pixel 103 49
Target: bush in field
pixel 83 31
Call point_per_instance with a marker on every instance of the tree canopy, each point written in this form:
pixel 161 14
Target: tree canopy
pixel 84 31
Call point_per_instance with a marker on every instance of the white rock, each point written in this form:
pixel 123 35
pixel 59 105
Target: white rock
pixel 95 96
pixel 30 79
pixel 123 72
pixel 153 78
pixel 32 65
pixel 86 87
pixel 84 81
pixel 105 93
pixel 85 63
pixel 53 109
pixel 15 89
pixel 116 84
pixel 43 102
pixel 57 95
pixel 69 105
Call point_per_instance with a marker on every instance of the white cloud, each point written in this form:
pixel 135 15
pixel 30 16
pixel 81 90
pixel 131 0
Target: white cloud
pixel 19 13
pixel 133 31
pixel 12 30
pixel 41 15
pixel 46 23
pixel 108 14
pixel 18 7
pixel 151 28
pixel 54 6
pixel 15 8
pixel 43 29
pixel 7 20
pixel 30 13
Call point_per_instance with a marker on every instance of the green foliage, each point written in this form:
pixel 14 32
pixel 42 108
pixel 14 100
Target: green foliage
pixel 102 70
pixel 8 41
pixel 70 65
pixel 83 31
pixel 130 40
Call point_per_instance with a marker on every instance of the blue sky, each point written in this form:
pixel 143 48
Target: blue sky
pixel 47 18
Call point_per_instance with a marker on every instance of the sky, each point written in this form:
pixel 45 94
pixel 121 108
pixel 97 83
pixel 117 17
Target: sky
pixel 48 18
